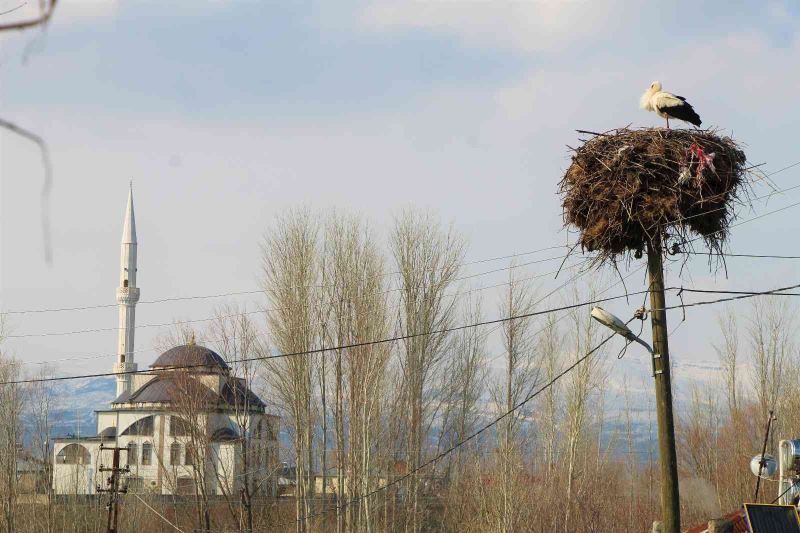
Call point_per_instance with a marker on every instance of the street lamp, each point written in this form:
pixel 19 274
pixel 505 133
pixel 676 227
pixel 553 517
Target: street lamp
pixel 618 326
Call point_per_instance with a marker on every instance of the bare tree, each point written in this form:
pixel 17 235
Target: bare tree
pixel 466 371
pixel 238 341
pixel 355 297
pixel 290 282
pixel 728 353
pixel 191 406
pixel 428 259
pixel 550 346
pixel 581 383
pixel 520 377
pixel 770 336
pixel 11 405
pixel 40 397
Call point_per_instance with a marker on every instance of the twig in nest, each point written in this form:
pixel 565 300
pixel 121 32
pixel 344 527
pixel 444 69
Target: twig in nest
pixel 565 259
pixel 590 132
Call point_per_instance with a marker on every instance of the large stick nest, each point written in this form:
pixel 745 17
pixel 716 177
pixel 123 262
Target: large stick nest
pixel 627 187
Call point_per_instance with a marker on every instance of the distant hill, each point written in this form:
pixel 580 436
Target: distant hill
pixel 75 404
pixel 76 401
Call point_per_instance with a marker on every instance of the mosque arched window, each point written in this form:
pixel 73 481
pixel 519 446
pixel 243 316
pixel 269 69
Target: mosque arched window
pixel 175 454
pixel 147 453
pixel 74 454
pixel 132 455
pixel 142 427
pixel 191 455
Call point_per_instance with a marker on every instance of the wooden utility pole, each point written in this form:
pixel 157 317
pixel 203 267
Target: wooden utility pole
pixel 113 487
pixel 670 498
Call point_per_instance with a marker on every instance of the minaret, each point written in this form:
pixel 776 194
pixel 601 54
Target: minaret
pixel 127 296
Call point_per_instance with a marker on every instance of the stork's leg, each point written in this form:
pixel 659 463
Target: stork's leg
pixel 667 118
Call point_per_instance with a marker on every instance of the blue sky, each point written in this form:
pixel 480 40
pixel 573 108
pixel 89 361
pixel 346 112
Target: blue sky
pixel 225 113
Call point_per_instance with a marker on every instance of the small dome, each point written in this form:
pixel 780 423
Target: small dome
pixel 109 432
pixel 189 355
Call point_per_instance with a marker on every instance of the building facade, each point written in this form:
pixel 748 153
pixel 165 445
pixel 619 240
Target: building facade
pixel 187 424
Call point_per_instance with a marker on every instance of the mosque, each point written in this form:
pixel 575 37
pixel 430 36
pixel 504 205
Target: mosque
pixel 187 423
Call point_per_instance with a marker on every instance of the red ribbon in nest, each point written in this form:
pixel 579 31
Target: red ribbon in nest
pixel 703 159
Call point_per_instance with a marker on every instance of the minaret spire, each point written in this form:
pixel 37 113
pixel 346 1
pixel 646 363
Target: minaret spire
pixel 127 296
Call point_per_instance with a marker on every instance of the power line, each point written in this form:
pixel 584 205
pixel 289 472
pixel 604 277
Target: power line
pixel 740 296
pixel 164 518
pixel 478 261
pixel 751 293
pixel 453 295
pixel 260 291
pixel 562 317
pixel 469 438
pixel 275 309
pixel 340 347
pixel 755 256
pixel 271 310
pixel 397 272
pixel 795 204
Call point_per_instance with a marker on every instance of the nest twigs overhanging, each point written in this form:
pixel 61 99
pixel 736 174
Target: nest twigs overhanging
pixel 626 187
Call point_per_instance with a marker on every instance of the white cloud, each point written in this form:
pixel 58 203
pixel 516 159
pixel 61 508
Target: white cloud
pixel 536 25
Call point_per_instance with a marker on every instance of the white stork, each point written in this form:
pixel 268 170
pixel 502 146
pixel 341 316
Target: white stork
pixel 668 105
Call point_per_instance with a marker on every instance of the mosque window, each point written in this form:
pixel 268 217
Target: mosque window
pixel 125 283
pixel 190 455
pixel 142 427
pixel 73 454
pixel 132 456
pixel 175 454
pixel 147 453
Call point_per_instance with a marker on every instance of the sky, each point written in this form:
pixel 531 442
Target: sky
pixel 226 113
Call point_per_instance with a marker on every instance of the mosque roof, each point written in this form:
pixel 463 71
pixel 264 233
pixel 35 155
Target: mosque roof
pixel 168 388
pixel 190 355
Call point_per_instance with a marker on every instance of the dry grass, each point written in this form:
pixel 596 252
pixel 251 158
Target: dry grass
pixel 626 186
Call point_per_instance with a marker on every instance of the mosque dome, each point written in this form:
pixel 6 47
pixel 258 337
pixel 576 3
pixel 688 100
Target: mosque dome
pixel 190 355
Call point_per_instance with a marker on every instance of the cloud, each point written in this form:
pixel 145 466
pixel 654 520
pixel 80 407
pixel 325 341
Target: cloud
pixel 527 26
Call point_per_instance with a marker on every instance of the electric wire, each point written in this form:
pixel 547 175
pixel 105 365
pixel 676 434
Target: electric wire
pixel 260 291
pixel 164 518
pixel 478 261
pixel 754 256
pixel 740 296
pixel 782 494
pixel 317 323
pixel 433 332
pixel 467 439
pixel 339 347
pixel 96 330
pixel 270 310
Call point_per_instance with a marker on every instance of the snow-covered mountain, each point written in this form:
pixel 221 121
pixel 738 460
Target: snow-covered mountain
pixel 74 404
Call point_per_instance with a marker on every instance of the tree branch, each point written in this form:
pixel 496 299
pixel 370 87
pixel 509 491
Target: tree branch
pixel 48 180
pixel 41 20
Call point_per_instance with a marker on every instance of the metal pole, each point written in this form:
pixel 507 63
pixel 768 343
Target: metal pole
pixel 670 498
pixel 763 451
